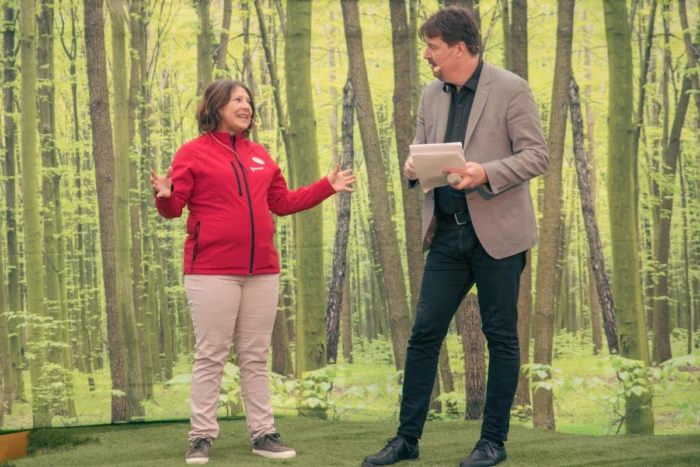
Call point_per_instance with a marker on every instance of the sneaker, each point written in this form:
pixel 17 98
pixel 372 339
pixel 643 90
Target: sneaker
pixel 271 447
pixel 485 454
pixel 198 453
pixel 396 450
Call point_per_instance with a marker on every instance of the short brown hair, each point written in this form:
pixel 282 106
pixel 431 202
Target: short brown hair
pixel 453 25
pixel 215 98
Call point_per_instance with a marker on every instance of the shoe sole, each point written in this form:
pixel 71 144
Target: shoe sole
pixel 276 455
pixel 366 464
pixel 197 461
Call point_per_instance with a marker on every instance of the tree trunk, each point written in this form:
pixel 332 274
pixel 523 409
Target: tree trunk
pixel 507 42
pixel 136 10
pixel 103 152
pixel 13 287
pixel 403 124
pixel 346 316
pixel 474 346
pixel 308 225
pixel 122 215
pixel 519 66
pixel 204 62
pixel 272 67
pixel 626 275
pixel 222 50
pixel 54 252
pixel 662 241
pixel 686 255
pixel 5 359
pixel 551 219
pixel 335 293
pixel 591 170
pixel 600 280
pixel 34 274
pixel 387 241
pixel 163 314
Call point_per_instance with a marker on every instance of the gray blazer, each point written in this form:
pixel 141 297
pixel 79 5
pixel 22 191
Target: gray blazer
pixel 506 138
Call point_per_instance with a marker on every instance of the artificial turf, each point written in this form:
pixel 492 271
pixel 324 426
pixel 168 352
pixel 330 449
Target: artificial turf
pixel 345 443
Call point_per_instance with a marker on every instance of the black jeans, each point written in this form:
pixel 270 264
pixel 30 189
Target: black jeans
pixel 455 263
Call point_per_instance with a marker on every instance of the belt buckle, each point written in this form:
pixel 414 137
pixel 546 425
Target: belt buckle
pixel 457 218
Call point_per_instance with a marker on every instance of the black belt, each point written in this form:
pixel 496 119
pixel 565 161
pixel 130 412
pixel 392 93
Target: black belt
pixel 459 218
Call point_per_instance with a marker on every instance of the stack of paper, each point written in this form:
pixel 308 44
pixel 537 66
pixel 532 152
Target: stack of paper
pixel 430 160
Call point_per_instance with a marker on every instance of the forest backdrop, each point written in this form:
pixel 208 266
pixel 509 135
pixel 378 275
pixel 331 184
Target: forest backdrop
pixel 94 323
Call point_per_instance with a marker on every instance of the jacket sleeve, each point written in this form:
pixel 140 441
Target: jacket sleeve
pixel 530 156
pixel 420 137
pixel 183 183
pixel 283 202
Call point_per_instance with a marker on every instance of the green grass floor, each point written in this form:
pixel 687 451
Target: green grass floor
pixel 346 443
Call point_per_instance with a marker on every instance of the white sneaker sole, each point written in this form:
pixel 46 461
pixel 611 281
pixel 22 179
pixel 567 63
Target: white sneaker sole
pixel 197 461
pixel 276 455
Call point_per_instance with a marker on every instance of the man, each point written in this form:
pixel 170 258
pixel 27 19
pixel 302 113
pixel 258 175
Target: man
pixel 478 230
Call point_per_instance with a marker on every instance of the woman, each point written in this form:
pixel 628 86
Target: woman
pixel 230 184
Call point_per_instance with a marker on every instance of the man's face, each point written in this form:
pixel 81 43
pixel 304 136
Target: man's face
pixel 439 55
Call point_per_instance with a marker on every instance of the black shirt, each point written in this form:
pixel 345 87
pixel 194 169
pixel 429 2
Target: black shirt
pixel 448 200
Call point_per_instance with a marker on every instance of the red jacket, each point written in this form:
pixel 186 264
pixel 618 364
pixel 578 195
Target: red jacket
pixel 230 185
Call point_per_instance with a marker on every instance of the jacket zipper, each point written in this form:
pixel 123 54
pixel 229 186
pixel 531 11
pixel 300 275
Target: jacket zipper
pixel 196 246
pixel 250 206
pixel 238 180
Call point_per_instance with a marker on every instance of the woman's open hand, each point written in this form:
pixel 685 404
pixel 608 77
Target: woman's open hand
pixel 341 181
pixel 162 185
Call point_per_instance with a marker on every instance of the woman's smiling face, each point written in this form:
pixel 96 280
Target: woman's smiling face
pixel 237 114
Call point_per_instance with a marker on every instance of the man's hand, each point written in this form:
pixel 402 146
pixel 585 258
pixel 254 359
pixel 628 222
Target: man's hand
pixel 408 170
pixel 473 175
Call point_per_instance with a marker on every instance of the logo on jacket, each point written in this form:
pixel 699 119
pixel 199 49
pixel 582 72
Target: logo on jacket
pixel 259 161
pixel 254 169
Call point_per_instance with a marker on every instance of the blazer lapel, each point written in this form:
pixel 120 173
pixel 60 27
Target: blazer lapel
pixel 482 93
pixel 441 103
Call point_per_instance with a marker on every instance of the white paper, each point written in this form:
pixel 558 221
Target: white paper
pixel 430 160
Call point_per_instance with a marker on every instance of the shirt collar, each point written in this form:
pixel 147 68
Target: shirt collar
pixel 471 83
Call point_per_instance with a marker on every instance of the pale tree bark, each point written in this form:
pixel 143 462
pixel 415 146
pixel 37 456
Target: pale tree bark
pixel 136 9
pixel 474 346
pixel 337 288
pixel 590 139
pixel 13 287
pixel 626 263
pixel 387 241
pixel 103 153
pixel 308 225
pixel 403 124
pixel 600 280
pixel 548 252
pixel 55 302
pixel 686 255
pixel 34 274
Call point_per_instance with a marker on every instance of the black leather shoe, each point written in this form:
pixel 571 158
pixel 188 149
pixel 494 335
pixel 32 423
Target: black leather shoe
pixel 485 453
pixel 396 450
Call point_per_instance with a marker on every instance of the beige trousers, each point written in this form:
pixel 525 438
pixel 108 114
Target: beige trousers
pixel 226 308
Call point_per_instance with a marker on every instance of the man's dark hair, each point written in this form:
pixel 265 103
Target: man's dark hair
pixel 215 98
pixel 453 25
